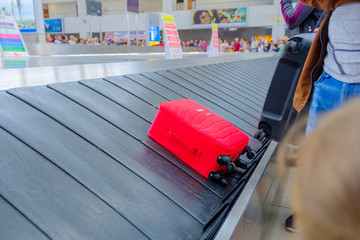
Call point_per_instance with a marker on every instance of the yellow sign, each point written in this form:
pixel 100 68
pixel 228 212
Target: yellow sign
pixel 153 43
pixel 190 3
pixel 168 19
pixel 214 27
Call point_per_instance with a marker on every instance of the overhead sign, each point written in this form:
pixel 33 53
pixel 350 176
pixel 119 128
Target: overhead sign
pixel 94 8
pixel 123 35
pixel 11 41
pixel 222 17
pixel 53 25
pixel 133 6
pixel 190 4
pixel 172 40
pixel 23 12
pixel 214 44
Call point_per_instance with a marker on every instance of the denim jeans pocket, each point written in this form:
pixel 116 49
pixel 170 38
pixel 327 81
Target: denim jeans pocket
pixel 322 78
pixel 351 90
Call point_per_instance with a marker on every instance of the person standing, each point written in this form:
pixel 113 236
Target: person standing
pixel 302 18
pixel 326 193
pixel 72 40
pixel 263 45
pixel 334 61
pixel 58 39
pixel 331 73
pixel 243 45
pixel 231 47
pixel 204 46
pixel 236 45
pixel 281 46
pixel 224 45
pixel 48 38
pixel 254 44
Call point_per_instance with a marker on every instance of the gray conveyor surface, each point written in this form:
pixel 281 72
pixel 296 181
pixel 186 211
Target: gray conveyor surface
pixel 76 161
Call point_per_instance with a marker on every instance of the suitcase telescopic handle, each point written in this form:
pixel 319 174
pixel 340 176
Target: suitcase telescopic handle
pixel 182 141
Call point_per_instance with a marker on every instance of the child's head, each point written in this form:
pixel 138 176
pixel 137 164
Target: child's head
pixel 327 5
pixel 326 194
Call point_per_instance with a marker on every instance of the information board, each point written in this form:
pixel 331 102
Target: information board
pixel 11 41
pixel 172 41
pixel 53 25
pixel 154 35
pixel 214 44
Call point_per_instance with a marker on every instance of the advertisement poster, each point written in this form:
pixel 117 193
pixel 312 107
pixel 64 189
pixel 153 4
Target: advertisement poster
pixel 123 35
pixel 133 6
pixel 23 11
pixel 53 25
pixel 11 42
pixel 172 41
pixel 140 35
pixel 223 17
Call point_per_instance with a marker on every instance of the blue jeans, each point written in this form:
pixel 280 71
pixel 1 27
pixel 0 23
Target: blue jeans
pixel 329 94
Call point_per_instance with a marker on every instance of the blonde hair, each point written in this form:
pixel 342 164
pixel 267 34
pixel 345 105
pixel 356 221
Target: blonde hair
pixel 326 194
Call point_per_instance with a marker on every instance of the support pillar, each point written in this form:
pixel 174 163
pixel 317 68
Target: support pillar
pixel 39 36
pixel 278 28
pixel 167 6
pixel 84 18
pixel 278 31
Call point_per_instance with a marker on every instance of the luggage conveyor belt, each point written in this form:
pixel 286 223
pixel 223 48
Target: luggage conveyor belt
pixel 76 161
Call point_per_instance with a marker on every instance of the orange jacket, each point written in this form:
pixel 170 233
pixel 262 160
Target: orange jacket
pixel 315 59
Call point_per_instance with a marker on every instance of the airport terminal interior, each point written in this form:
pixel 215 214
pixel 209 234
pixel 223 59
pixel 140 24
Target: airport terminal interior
pixel 84 85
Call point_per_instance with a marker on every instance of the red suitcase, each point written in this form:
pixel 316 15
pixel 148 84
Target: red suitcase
pixel 196 135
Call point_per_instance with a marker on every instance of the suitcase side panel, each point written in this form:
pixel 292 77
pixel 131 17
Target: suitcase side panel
pixel 194 148
pixel 207 123
pixel 278 112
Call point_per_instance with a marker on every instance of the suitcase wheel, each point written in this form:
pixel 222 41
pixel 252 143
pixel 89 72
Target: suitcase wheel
pixel 263 132
pixel 230 166
pixel 250 153
pixel 260 135
pixel 218 177
pixel 242 164
pixel 226 160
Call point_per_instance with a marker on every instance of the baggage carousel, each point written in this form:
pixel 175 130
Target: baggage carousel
pixel 76 161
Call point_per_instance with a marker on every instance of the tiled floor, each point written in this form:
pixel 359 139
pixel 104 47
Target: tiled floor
pixel 280 210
